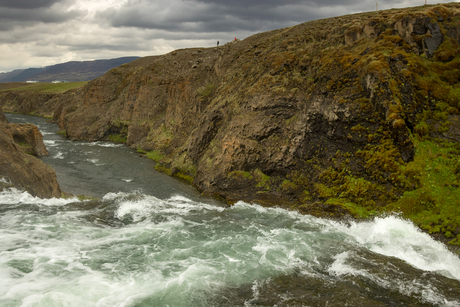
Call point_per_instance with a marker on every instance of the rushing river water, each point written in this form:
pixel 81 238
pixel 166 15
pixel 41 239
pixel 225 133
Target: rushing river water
pixel 152 240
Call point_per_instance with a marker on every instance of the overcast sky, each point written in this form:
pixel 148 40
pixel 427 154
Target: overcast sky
pixel 36 33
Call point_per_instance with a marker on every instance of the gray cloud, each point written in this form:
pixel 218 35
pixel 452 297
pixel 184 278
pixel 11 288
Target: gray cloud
pixel 26 13
pixel 27 4
pixel 206 16
pixel 222 15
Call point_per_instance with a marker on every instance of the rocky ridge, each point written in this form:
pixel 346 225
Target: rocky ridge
pixel 326 117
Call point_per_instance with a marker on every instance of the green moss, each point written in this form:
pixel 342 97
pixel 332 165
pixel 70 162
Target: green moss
pixel 206 91
pixel 288 185
pixel 184 164
pixel 323 191
pixel 183 176
pixel 455 241
pixel 63 133
pixel 381 161
pixel 435 204
pixel 84 197
pixel 261 179
pixel 155 155
pixel 163 169
pixel 240 174
pixel 422 129
pixel 355 209
pixel 118 138
pixel 359 128
pixel 162 136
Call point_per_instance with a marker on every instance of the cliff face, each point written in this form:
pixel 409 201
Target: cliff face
pixel 29 102
pixel 28 137
pixel 18 167
pixel 323 117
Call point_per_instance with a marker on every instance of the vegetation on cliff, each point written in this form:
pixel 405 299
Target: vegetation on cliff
pixel 354 115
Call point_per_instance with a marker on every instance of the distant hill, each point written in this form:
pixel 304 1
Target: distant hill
pixel 71 71
pixel 24 75
pixel 10 74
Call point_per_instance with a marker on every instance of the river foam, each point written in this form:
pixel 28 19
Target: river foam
pixel 131 249
pixel 396 237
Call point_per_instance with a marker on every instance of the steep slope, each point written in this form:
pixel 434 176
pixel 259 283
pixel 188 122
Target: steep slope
pixel 350 115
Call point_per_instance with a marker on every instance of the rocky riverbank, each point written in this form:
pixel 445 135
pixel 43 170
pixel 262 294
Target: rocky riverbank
pixel 349 116
pixel 19 144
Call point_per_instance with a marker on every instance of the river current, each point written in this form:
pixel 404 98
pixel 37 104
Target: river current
pixel 152 240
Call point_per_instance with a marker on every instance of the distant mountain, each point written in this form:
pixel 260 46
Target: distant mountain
pixel 71 71
pixel 10 74
pixel 26 74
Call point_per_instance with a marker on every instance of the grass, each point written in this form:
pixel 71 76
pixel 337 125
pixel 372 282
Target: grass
pixel 435 205
pixel 44 87
pixel 155 155
pixel 206 91
pixel 118 138
pixel 430 186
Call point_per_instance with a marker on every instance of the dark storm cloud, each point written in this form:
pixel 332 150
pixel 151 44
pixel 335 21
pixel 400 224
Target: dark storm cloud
pixel 224 15
pixel 276 3
pixel 27 4
pixel 21 15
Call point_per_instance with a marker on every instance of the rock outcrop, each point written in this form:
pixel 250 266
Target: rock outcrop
pixel 20 169
pixel 2 117
pixel 28 102
pixel 28 137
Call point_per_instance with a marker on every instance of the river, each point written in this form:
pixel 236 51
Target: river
pixel 152 240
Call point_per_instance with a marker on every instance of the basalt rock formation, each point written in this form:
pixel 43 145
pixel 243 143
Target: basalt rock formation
pixel 2 117
pixel 26 102
pixel 28 137
pixel 323 117
pixel 18 167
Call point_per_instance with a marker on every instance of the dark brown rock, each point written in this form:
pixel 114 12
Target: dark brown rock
pixel 24 171
pixel 28 137
pixel 432 42
pixel 2 117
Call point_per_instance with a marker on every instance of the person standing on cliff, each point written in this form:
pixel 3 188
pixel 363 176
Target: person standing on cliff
pixel 217 43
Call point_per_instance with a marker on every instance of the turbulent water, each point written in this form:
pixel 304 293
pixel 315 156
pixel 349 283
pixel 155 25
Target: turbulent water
pixel 153 241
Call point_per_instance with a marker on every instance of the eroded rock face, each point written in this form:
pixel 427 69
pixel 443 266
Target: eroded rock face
pixel 28 137
pixel 3 117
pixel 28 102
pixel 23 170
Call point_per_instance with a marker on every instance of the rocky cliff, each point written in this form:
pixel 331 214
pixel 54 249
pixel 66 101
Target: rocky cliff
pixel 331 117
pixel 18 166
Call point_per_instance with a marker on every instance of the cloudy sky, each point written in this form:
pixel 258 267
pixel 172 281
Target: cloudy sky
pixel 36 33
